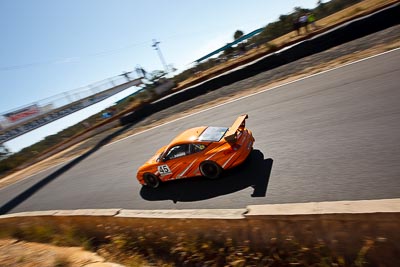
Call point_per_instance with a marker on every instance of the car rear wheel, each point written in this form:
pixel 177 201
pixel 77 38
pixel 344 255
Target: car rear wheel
pixel 151 180
pixel 210 169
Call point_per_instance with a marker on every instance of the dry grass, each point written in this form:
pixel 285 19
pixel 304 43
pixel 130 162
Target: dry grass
pixel 141 247
pixel 361 8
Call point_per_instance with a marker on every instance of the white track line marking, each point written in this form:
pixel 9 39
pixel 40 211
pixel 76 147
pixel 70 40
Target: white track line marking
pixel 253 94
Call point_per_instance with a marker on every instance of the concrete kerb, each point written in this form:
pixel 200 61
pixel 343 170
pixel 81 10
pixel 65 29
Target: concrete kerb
pixel 312 208
pixel 230 214
pixel 284 211
pixel 334 207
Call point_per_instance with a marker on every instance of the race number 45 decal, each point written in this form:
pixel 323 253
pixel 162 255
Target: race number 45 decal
pixel 164 170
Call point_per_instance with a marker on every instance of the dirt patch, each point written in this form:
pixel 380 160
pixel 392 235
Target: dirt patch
pixel 30 254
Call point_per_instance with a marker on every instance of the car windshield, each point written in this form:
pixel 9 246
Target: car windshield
pixel 213 134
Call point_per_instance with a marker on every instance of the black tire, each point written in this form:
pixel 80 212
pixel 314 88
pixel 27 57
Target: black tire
pixel 151 180
pixel 210 169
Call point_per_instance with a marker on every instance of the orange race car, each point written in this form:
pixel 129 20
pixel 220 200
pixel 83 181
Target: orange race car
pixel 205 151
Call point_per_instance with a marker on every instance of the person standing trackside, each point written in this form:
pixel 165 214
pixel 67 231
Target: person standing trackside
pixel 304 22
pixel 311 20
pixel 296 25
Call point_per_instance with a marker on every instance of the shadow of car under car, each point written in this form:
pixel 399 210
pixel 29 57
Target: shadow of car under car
pixel 254 172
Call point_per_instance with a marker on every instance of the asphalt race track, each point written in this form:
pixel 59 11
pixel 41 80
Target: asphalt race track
pixel 332 136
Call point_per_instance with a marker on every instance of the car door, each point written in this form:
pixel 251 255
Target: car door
pixel 180 161
pixel 173 162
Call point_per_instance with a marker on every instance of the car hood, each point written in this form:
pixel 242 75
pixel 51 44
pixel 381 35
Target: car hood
pixel 154 158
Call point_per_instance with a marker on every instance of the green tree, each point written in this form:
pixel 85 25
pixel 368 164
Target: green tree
pixel 299 10
pixel 238 34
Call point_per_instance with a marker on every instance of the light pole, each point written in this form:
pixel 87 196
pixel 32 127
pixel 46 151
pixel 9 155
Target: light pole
pixel 156 47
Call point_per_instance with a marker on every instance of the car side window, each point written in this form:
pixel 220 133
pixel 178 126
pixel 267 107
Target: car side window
pixel 194 148
pixel 177 151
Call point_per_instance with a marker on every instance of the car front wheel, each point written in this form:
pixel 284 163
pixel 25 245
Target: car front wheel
pixel 210 169
pixel 151 180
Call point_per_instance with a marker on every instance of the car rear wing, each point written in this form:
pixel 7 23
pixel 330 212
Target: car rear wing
pixel 237 126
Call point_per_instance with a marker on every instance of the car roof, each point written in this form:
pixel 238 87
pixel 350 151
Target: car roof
pixel 187 136
pixel 200 134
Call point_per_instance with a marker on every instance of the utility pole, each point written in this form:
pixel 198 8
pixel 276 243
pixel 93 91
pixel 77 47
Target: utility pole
pixel 156 47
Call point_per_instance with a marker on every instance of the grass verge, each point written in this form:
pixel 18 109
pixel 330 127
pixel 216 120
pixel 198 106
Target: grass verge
pixel 141 247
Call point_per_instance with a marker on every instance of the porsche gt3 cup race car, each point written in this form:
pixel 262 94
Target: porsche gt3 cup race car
pixel 201 151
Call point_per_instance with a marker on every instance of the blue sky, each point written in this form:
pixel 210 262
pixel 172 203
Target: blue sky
pixel 52 46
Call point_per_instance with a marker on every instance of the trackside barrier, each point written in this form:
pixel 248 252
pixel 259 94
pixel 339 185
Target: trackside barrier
pixel 349 31
pixel 341 225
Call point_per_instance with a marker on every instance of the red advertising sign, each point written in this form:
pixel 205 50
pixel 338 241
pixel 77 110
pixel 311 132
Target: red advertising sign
pixel 22 113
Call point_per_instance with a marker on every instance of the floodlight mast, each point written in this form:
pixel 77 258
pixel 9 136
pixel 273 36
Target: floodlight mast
pixel 157 47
